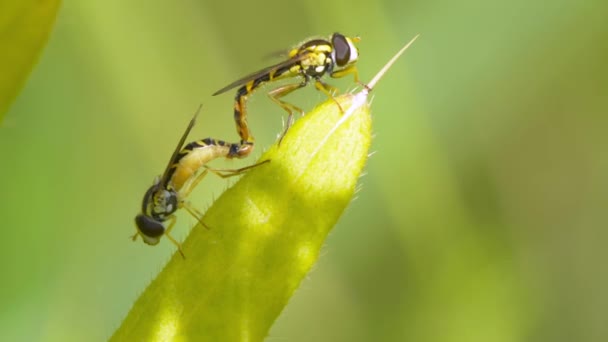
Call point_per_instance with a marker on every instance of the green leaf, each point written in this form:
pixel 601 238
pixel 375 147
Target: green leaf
pixel 24 28
pixel 266 233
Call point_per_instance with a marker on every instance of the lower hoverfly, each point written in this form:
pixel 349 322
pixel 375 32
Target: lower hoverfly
pixel 186 168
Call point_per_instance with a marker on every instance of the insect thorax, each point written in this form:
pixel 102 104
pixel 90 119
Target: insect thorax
pixel 159 203
pixel 316 64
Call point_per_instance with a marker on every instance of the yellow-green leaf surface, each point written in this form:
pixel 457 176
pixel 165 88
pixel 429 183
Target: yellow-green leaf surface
pixel 24 28
pixel 266 233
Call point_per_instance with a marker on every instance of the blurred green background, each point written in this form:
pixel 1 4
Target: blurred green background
pixel 481 218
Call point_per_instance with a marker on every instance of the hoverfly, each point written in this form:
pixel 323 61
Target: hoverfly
pixel 169 191
pixel 311 60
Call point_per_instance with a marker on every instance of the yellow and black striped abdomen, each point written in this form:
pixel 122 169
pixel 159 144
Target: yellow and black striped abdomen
pixel 243 93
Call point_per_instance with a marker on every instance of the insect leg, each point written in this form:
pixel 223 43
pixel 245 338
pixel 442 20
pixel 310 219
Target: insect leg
pixel 349 70
pixel 177 244
pixel 189 186
pixel 346 71
pixel 327 90
pixel 194 212
pixel 275 96
pixel 225 173
pixel 186 191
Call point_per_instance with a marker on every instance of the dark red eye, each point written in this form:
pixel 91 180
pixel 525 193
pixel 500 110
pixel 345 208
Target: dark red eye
pixel 341 49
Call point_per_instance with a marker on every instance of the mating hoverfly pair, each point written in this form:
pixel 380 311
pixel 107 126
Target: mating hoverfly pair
pixel 309 61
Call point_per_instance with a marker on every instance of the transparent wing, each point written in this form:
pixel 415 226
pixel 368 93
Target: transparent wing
pixel 287 63
pixel 165 179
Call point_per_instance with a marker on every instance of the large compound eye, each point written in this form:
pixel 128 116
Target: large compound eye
pixel 150 228
pixel 341 49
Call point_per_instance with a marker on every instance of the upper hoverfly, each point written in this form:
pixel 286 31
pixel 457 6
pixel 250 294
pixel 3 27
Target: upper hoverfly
pixel 311 60
pixel 169 192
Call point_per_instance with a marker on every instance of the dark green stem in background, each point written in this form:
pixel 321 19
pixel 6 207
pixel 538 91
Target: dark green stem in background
pixel 24 29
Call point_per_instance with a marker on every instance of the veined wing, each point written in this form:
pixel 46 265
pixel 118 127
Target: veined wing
pixel 287 63
pixel 165 179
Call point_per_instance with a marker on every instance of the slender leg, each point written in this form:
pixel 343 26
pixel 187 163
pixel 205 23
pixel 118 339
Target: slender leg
pixel 194 212
pixel 177 244
pixel 189 186
pixel 327 90
pixel 134 236
pixel 226 173
pixel 347 71
pixel 275 96
pixel 220 172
